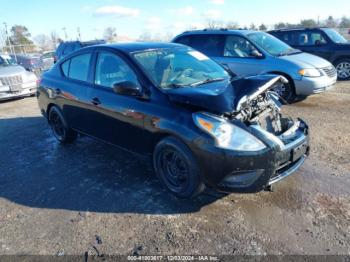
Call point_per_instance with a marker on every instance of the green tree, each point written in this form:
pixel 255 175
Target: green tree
pixel 20 35
pixel 280 25
pixel 262 27
pixel 344 22
pixel 308 23
pixel 330 22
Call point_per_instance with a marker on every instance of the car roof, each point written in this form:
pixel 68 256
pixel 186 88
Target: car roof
pixel 139 46
pixel 298 29
pixel 223 31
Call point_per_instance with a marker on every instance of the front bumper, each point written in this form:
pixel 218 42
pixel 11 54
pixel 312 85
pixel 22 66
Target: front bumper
pixel 24 89
pixel 314 85
pixel 249 172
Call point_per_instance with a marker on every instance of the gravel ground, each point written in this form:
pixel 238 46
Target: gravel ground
pixel 91 197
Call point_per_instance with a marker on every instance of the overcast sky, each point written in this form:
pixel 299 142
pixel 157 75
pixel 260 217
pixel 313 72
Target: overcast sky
pixel 134 17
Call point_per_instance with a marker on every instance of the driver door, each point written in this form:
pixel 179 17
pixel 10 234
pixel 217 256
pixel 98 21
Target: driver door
pixel 117 119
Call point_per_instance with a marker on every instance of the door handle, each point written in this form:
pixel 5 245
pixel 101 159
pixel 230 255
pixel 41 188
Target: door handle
pixel 95 101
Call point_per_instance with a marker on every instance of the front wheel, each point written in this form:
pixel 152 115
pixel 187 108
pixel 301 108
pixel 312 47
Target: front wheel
pixel 343 69
pixel 60 129
pixel 177 168
pixel 285 91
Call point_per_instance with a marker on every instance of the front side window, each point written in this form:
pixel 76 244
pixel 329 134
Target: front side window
pixel 179 67
pixel 77 67
pixel 271 44
pixel 237 46
pixel 111 69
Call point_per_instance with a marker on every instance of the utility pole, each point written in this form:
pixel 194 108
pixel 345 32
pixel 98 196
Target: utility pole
pixel 12 50
pixel 65 33
pixel 79 35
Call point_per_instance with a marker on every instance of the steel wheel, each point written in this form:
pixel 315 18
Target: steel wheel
pixel 177 169
pixel 174 169
pixel 343 70
pixel 57 126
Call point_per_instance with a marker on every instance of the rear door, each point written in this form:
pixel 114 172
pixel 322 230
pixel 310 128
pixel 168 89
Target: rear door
pixel 72 92
pixel 313 42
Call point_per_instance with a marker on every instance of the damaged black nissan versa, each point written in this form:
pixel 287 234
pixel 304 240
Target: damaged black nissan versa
pixel 201 126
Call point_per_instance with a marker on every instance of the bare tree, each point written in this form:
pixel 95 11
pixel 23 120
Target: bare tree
pixel 331 22
pixel 43 42
pixel 54 39
pixel 252 27
pixel 110 34
pixel 232 25
pixel 214 24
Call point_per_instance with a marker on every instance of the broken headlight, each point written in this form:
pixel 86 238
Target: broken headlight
pixel 226 134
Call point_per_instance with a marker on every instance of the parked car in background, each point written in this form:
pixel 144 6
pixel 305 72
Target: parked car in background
pixel 65 48
pixel 15 81
pixel 183 110
pixel 30 62
pixel 324 42
pixel 47 60
pixel 248 52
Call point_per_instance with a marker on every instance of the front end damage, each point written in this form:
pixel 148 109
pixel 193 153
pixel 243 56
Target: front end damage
pixel 256 111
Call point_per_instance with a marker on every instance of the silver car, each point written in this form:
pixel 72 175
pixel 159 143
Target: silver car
pixel 15 81
pixel 248 52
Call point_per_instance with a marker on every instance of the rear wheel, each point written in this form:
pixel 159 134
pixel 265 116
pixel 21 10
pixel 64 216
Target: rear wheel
pixel 59 127
pixel 343 69
pixel 177 168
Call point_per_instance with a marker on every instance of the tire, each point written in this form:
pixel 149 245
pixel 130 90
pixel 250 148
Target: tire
pixel 286 91
pixel 343 69
pixel 60 129
pixel 177 168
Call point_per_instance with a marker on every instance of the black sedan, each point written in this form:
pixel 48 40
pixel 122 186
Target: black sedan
pixel 199 125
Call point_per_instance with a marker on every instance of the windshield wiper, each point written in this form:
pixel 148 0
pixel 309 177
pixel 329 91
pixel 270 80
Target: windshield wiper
pixel 173 85
pixel 207 81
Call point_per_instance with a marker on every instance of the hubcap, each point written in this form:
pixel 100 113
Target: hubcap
pixel 174 169
pixel 343 70
pixel 57 126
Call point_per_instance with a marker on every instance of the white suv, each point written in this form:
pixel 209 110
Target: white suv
pixel 15 81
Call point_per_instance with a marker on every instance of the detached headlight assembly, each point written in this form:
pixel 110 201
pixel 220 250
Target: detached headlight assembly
pixel 311 72
pixel 227 135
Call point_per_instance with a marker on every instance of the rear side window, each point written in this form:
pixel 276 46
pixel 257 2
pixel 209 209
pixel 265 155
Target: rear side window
pixel 77 67
pixel 185 40
pixel 211 45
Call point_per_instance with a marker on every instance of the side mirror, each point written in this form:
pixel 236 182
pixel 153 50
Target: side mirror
pixel 127 88
pixel 256 54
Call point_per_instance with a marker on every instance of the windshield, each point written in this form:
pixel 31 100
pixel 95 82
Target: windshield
pixel 271 44
pixel 335 36
pixel 178 67
pixel 7 61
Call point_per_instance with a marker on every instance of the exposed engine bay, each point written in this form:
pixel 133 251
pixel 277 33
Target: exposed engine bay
pixel 264 110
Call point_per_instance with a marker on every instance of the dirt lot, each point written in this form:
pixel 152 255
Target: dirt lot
pixel 91 197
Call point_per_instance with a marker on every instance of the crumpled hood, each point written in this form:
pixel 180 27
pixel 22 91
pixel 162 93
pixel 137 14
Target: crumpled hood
pixel 305 60
pixel 225 96
pixel 11 70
